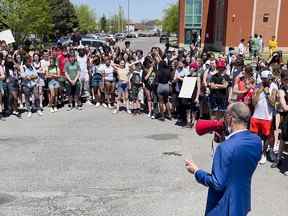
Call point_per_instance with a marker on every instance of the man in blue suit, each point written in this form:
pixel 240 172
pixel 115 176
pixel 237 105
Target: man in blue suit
pixel 234 163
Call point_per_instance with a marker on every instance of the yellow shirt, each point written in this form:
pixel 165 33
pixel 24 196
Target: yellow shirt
pixel 123 74
pixel 273 45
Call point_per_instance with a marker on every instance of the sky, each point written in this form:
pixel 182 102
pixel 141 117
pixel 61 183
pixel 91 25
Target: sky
pixel 139 9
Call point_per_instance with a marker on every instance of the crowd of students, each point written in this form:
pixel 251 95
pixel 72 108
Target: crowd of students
pixel 125 79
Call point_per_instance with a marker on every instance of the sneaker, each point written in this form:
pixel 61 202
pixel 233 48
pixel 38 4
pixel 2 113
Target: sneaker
pixel 79 108
pixel 274 164
pixel 110 106
pixel 149 115
pixel 29 115
pixel 104 105
pixel 263 160
pixel 69 108
pixel 16 113
pixel 40 113
pixel 115 111
pixel 89 102
pixel 55 109
pixel 153 117
pixel 51 110
pixel 98 105
pixel 129 111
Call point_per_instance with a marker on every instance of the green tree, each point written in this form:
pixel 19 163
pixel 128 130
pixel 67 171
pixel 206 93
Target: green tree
pixel 63 16
pixel 118 22
pixel 170 20
pixel 104 23
pixel 87 19
pixel 25 17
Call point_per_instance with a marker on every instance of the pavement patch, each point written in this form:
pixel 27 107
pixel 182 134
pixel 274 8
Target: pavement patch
pixel 173 153
pixel 164 136
pixel 6 198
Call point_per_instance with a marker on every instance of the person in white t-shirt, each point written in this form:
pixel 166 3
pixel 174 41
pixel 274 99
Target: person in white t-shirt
pixel 242 48
pixel 109 82
pixel 84 75
pixel 264 102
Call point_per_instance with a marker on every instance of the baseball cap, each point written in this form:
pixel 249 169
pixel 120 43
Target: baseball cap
pixel 266 74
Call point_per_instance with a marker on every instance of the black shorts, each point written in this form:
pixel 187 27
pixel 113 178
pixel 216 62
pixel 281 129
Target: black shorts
pixel 218 103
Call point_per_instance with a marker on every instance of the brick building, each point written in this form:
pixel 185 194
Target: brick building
pixel 223 23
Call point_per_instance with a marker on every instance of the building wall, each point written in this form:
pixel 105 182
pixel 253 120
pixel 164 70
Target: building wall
pixel 208 21
pixel 267 29
pixel 239 21
pixel 181 30
pixel 283 30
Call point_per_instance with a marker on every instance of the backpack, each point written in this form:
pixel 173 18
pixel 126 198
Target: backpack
pixel 136 78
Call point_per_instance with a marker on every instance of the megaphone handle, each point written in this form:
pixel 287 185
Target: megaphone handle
pixel 212 148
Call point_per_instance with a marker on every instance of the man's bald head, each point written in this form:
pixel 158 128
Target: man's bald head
pixel 240 112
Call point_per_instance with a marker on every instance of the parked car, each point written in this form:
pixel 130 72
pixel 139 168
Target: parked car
pixel 164 38
pixel 120 36
pixel 94 36
pixel 95 44
pixel 64 41
pixel 132 35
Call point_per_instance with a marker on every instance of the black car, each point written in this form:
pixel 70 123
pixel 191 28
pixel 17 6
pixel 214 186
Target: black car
pixel 164 39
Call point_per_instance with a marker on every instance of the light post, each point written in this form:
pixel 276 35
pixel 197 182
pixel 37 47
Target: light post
pixel 128 16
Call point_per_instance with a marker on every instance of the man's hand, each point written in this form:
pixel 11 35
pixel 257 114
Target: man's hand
pixel 191 166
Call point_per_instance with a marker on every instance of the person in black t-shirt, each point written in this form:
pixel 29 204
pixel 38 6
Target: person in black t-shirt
pixel 218 93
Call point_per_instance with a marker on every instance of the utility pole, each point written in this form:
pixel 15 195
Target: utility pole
pixel 128 16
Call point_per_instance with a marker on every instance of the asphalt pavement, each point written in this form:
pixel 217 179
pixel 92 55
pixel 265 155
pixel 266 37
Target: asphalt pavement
pixel 92 162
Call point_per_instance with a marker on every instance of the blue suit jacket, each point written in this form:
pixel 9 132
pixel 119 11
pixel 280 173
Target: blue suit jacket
pixel 234 163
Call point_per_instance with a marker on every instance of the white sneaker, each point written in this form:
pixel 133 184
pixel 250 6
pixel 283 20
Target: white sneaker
pixel 29 114
pixel 15 112
pixel 104 105
pixel 110 106
pixel 98 105
pixel 153 117
pixel 55 109
pixel 89 102
pixel 40 113
pixel 129 111
pixel 149 115
pixel 115 111
pixel 51 110
pixel 263 160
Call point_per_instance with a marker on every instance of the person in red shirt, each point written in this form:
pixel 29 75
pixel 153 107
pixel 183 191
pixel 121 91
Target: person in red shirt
pixel 61 61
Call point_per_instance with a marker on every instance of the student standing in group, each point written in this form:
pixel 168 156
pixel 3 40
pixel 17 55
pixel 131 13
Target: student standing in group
pixel 72 73
pixel 273 45
pixel 108 82
pixel 82 60
pixel 123 75
pixel 283 101
pixel 264 102
pixel 135 83
pixel 2 78
pixel 30 77
pixel 12 81
pixel 148 77
pixel 97 80
pixel 52 74
pixel 164 79
pixel 41 77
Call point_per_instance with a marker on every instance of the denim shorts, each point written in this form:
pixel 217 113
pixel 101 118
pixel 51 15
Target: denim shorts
pixel 53 84
pixel 122 87
pixel 1 87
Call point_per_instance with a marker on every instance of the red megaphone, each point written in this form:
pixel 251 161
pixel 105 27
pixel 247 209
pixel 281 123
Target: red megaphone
pixel 208 126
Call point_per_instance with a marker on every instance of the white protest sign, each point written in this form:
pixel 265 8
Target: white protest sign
pixel 188 87
pixel 7 36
